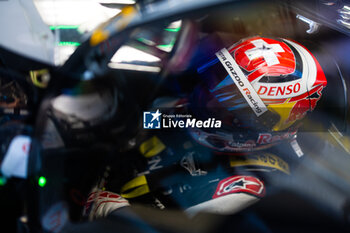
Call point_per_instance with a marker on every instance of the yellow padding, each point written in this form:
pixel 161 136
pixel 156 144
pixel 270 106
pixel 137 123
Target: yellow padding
pixel 135 187
pixel 152 147
pixel 264 160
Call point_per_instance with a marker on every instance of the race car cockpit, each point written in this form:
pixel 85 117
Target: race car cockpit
pixel 179 104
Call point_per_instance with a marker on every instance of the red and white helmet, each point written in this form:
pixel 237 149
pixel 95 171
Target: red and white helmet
pixel 259 88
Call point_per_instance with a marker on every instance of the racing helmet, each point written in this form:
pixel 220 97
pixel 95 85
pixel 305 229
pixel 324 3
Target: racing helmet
pixel 260 88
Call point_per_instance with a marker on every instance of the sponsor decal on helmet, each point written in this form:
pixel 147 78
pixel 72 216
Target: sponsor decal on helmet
pixel 279 90
pixel 241 82
pixel 240 184
pixel 301 107
pixel 267 138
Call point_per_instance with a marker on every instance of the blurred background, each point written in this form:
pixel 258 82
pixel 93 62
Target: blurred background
pixel 154 53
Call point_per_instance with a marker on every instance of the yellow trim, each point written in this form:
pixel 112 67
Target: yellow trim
pixel 128 10
pixel 98 36
pixel 152 147
pixel 265 160
pixel 126 15
pixel 122 20
pixel 44 74
pixel 283 110
pixel 135 187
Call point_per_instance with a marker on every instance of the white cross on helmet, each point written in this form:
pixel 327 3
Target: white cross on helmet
pixel 263 49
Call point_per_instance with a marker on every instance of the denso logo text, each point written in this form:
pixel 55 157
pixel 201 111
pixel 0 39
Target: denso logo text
pixel 279 90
